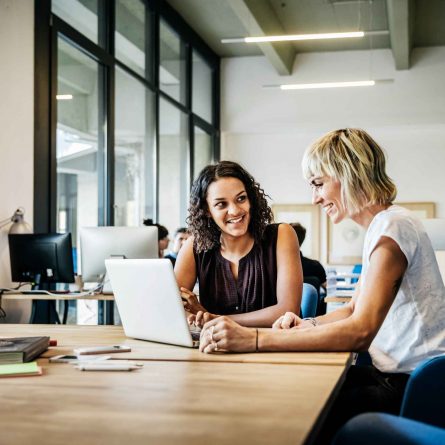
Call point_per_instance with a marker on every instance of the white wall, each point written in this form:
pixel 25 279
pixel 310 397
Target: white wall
pixel 16 123
pixel 267 130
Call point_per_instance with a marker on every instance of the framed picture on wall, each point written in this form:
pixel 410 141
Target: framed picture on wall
pixel 307 215
pixel 421 209
pixel 345 240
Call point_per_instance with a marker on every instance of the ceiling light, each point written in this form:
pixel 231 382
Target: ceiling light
pixel 64 96
pixel 299 37
pixel 296 37
pixel 312 86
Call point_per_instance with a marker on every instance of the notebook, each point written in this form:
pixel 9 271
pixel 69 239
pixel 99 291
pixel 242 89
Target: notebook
pixel 149 301
pixel 22 349
pixel 20 370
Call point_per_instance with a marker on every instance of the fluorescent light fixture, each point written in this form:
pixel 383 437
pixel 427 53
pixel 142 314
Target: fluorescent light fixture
pixel 64 96
pixel 299 37
pixel 311 86
pixel 296 37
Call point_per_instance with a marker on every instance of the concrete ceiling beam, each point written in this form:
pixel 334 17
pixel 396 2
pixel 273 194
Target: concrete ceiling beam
pixel 260 19
pixel 401 26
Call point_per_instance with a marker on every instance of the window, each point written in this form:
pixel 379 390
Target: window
pixel 80 14
pixel 202 150
pixel 202 87
pixel 173 166
pixel 134 150
pixel 172 64
pixel 126 103
pixel 132 36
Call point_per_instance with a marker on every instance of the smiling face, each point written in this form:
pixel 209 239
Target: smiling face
pixel 326 192
pixel 229 206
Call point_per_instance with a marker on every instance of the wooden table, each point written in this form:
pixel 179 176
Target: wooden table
pixel 70 337
pixel 166 402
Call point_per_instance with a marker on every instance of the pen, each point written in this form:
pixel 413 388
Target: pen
pixel 97 367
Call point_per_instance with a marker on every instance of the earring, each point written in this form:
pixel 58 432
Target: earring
pixel 208 223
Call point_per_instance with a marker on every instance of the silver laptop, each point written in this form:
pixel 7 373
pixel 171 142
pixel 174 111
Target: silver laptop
pixel 149 301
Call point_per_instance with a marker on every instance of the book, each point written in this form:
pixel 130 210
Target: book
pixel 22 349
pixel 20 370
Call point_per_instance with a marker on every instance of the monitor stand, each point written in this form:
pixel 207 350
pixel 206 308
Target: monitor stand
pixel 43 311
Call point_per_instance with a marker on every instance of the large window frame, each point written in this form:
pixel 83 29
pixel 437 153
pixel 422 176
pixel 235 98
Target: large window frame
pixel 47 29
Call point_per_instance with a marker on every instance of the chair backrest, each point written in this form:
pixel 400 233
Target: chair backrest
pixel 309 301
pixel 424 398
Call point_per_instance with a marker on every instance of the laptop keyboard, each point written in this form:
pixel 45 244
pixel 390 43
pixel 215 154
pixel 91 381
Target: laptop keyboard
pixel 195 332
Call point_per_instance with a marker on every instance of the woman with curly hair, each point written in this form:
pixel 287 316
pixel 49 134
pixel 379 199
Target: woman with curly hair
pixel 247 268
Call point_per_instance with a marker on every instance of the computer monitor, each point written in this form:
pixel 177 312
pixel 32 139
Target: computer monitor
pixel 100 243
pixel 41 258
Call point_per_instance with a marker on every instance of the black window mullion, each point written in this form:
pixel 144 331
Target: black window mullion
pixel 53 134
pixel 81 42
pixel 42 116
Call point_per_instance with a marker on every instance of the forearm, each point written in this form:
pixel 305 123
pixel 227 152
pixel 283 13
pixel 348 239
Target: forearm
pixel 337 315
pixel 343 335
pixel 263 317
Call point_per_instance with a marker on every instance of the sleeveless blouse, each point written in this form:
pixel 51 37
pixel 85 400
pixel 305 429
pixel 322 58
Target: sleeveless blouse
pixel 256 286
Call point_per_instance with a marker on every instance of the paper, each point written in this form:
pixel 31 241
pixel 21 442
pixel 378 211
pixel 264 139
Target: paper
pixel 20 369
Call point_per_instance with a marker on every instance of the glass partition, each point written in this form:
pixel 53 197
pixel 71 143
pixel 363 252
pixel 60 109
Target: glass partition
pixel 173 166
pixel 82 15
pixel 172 63
pixel 134 151
pixel 202 103
pixel 202 150
pixel 131 35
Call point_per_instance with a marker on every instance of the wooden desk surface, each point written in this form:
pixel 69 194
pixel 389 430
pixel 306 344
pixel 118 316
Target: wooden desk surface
pixel 105 297
pixel 73 336
pixel 167 403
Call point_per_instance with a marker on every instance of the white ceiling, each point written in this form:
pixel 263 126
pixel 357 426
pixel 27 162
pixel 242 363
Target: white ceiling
pixel 409 23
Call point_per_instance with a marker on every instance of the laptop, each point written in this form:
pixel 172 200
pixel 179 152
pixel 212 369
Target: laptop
pixel 149 301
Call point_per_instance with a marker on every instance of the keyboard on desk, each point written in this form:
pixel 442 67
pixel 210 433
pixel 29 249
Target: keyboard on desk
pixel 195 333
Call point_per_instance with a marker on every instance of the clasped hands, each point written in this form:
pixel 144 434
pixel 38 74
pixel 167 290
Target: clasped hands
pixel 221 333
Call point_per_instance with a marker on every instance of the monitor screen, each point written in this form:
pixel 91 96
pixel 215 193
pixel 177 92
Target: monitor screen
pixel 100 243
pixel 41 258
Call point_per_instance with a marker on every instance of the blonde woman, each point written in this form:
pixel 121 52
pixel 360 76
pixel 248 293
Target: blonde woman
pixel 398 310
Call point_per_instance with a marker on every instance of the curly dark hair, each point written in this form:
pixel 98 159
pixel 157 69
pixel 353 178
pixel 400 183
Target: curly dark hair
pixel 206 233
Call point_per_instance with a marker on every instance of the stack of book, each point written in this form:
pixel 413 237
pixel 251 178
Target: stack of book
pixel 21 349
pixel 16 353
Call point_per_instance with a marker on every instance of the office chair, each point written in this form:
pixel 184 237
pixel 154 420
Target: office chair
pixel 309 301
pixel 424 397
pixel 421 420
pixel 386 429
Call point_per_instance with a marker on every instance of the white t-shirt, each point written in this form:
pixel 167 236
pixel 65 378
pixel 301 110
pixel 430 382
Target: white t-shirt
pixel 414 328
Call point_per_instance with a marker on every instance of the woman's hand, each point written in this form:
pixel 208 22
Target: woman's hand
pixel 224 334
pixel 200 318
pixel 291 321
pixel 191 302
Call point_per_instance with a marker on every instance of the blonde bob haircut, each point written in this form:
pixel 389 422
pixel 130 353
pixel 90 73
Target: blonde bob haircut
pixel 354 159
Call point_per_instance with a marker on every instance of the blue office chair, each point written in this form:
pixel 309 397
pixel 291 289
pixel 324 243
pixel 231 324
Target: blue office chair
pixel 386 429
pixel 421 419
pixel 424 397
pixel 309 301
